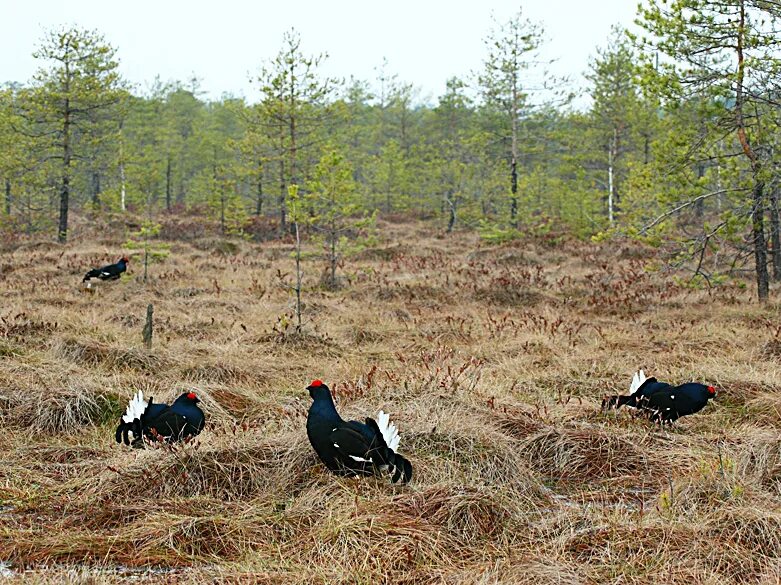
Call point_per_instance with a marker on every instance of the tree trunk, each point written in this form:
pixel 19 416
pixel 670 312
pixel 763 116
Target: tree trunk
pixel 168 185
pixel 513 191
pixel 259 200
pixel 7 196
pixel 610 182
pixel 514 155
pixel 451 204
pixel 388 189
pixel 122 186
pixel 222 211
pixel 282 198
pixel 146 256
pixel 333 259
pixel 775 234
pixel 180 191
pixel 95 189
pixel 298 276
pixel 758 232
pixel 293 170
pixel 62 229
pixel 699 207
pixel 758 211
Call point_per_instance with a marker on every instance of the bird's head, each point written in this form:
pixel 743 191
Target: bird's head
pixel 125 259
pixel 704 391
pixel 318 390
pixel 189 397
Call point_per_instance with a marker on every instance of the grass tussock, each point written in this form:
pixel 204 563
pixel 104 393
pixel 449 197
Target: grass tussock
pixel 237 468
pixel 585 455
pixel 65 403
pixel 96 354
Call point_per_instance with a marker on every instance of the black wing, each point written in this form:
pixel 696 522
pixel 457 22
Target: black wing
pixel 171 426
pixel 110 272
pixel 670 405
pixel 650 386
pixel 660 408
pixel 352 448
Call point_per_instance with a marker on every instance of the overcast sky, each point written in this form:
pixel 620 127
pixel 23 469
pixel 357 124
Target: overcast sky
pixel 222 42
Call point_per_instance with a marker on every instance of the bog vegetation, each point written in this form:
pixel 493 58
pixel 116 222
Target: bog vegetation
pixel 486 268
pixel 493 361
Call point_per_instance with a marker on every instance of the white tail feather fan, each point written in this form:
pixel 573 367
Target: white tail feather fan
pixel 637 380
pixel 135 408
pixel 389 431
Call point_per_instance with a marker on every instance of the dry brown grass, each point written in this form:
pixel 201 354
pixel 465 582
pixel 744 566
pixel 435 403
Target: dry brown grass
pixel 493 361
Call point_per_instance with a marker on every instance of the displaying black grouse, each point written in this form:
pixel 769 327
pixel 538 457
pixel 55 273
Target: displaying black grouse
pixel 351 447
pixel 110 272
pixel 181 420
pixel 660 401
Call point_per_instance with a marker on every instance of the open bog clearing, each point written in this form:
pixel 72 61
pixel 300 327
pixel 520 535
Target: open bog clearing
pixel 493 361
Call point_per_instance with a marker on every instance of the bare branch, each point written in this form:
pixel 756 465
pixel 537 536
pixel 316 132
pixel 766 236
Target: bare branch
pixel 689 203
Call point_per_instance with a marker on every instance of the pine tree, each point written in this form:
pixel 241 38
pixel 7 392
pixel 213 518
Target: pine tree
pixel 293 108
pixel 77 85
pixel 722 57
pixel 335 211
pixel 505 83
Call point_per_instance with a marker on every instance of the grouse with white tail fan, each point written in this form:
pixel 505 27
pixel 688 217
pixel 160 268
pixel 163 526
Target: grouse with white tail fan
pixel 156 421
pixel 110 272
pixel 351 447
pixel 660 401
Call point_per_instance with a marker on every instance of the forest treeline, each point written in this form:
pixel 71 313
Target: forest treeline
pixel 677 146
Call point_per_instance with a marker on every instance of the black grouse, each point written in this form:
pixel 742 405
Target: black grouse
pixel 110 272
pixel 351 447
pixel 660 401
pixel 160 422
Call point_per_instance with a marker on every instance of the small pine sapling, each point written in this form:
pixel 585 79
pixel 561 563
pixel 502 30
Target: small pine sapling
pixel 141 240
pixel 335 213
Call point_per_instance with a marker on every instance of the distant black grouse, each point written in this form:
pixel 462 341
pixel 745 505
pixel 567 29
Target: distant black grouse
pixel 160 422
pixel 660 401
pixel 352 447
pixel 110 272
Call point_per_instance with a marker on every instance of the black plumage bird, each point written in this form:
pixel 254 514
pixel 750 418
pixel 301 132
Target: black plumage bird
pixel 351 447
pixel 160 422
pixel 660 401
pixel 110 272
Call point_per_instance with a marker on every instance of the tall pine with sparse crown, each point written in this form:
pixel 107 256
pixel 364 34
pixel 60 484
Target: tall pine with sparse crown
pixel 724 55
pixel 506 82
pixel 77 81
pixel 293 110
